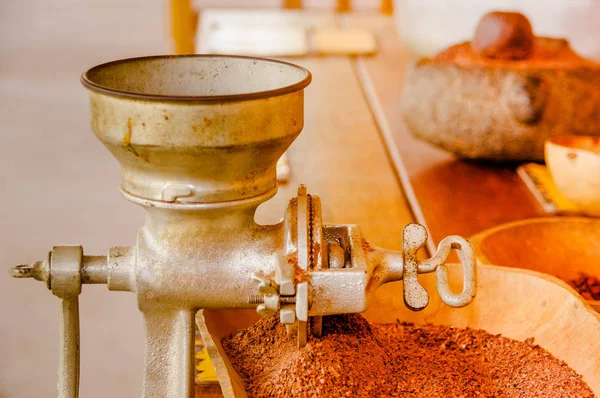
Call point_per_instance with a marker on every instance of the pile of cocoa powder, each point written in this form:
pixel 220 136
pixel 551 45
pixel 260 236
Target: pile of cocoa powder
pixel 356 359
pixel 586 285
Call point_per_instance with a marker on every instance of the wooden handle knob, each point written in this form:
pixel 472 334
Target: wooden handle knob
pixel 503 35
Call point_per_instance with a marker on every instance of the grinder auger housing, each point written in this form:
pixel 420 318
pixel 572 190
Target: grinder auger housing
pixel 198 138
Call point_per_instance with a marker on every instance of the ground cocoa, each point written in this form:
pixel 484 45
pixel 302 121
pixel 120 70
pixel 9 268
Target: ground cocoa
pixel 588 286
pixel 357 359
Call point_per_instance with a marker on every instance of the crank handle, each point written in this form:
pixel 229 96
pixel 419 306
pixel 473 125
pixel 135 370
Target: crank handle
pixel 64 270
pixel 415 295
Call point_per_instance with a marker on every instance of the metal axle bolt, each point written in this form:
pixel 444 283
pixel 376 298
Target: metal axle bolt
pixel 259 299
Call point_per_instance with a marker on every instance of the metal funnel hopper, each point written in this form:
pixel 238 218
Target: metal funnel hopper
pixel 197 128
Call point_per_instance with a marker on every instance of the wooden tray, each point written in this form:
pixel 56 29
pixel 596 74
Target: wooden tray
pixel 515 303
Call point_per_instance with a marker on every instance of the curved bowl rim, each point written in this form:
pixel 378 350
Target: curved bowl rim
pixel 92 86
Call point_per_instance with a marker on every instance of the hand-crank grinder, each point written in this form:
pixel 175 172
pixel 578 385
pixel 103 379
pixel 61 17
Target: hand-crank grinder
pixel 198 138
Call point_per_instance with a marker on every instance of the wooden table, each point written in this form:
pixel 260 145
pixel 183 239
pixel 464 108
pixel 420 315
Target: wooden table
pixel 357 154
pixel 339 155
pixel 447 195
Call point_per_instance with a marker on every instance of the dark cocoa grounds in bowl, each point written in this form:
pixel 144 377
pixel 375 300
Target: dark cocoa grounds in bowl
pixel 586 285
pixel 357 359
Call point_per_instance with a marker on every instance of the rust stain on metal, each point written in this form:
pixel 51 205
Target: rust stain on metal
pixel 300 275
pixel 315 255
pixel 199 128
pixel 127 136
pixel 366 246
pixel 127 142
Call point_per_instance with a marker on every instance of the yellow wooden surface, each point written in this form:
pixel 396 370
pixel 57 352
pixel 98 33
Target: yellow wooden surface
pixel 387 7
pixel 343 5
pixel 292 4
pixel 540 182
pixel 183 21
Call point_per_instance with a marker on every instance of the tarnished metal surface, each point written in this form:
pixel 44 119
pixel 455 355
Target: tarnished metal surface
pixel 68 366
pixel 197 129
pixel 415 295
pixel 61 270
pixel 65 282
pixel 467 258
pixel 198 139
pixel 169 368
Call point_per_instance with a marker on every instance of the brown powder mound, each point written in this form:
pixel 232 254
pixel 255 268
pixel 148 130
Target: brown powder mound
pixel 548 53
pixel 356 359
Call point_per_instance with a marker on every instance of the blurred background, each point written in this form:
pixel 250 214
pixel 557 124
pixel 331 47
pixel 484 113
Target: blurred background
pixel 59 186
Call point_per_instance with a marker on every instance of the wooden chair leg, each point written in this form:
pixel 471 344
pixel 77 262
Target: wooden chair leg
pixel 343 5
pixel 292 4
pixel 183 26
pixel 387 7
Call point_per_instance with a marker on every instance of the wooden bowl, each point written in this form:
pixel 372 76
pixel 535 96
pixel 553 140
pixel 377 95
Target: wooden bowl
pixel 516 303
pixel 574 163
pixel 563 247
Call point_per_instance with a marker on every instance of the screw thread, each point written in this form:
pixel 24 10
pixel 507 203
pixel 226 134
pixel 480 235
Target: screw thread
pixel 259 299
pixel 287 299
pixel 255 299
